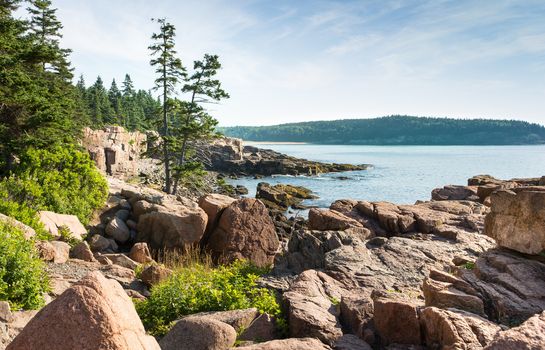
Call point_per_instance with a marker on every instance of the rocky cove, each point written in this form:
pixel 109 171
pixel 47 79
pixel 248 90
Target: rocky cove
pixel 463 270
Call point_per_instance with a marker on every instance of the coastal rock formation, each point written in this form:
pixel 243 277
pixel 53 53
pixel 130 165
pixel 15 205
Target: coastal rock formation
pixel 230 156
pixel 93 314
pixel 245 231
pixel 115 151
pixel 517 219
pixel 288 344
pixel 282 196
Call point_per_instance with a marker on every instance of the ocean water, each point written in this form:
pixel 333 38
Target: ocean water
pixel 403 174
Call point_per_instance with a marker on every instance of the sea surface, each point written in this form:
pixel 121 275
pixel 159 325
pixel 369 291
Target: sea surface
pixel 402 174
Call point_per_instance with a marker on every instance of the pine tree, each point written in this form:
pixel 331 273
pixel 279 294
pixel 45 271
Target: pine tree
pixel 193 122
pixel 169 72
pixel 45 29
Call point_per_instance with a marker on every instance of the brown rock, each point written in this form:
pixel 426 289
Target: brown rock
pixel 351 342
pixel 528 336
pixel 446 291
pixel 154 274
pixel 455 329
pixel 289 344
pixel 118 230
pixel 53 222
pixel 122 260
pixel 245 231
pixel 238 319
pixel 263 328
pixel 172 227
pixel 396 319
pixel 5 312
pixel 140 253
pixel 83 252
pixel 46 250
pixel 452 192
pixel 61 251
pixel 313 310
pixel 93 314
pixel 517 220
pixel 99 243
pixel 325 220
pixel 199 333
pixel 213 205
pixel 357 316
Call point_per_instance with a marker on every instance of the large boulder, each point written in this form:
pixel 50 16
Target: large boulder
pixel 93 314
pixel 53 222
pixel 118 230
pixel 140 253
pixel 83 252
pixel 396 319
pixel 324 220
pixel 172 227
pixel 452 192
pixel 199 333
pixel 245 231
pixel 312 306
pixel 281 196
pixel 528 336
pixel 455 329
pixel 213 205
pixel 517 220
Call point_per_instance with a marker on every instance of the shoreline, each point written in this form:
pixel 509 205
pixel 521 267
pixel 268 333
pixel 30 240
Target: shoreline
pixel 274 143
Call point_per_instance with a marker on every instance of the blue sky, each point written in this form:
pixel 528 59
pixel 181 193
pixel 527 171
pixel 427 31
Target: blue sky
pixel 298 60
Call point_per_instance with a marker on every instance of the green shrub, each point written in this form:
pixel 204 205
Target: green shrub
pixel 198 288
pixel 64 180
pixel 23 279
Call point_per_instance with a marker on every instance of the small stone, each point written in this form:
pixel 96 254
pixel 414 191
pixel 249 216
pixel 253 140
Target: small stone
pixel 140 253
pixel 154 274
pixel 83 252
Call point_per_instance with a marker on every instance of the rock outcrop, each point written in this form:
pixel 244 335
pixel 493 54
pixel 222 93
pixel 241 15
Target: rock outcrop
pixel 93 314
pixel 517 219
pixel 245 231
pixel 199 333
pixel 282 196
pixel 53 222
pixel 115 151
pixel 229 155
pixel 528 336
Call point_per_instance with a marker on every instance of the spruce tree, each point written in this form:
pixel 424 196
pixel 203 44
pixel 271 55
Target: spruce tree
pixel 37 107
pixel 45 28
pixel 193 122
pixel 99 103
pixel 169 72
pixel 114 96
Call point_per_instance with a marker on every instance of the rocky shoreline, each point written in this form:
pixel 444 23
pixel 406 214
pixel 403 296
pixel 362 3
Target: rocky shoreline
pixel 462 271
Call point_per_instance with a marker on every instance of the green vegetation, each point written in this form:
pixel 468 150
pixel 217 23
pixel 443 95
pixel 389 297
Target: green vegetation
pixel 63 180
pixel 23 279
pixel 199 288
pixel 183 122
pixel 132 109
pixel 398 130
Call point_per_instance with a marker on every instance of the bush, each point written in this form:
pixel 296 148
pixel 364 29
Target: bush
pixel 64 180
pixel 199 288
pixel 23 279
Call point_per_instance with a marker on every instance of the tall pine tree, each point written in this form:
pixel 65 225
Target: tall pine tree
pixel 170 72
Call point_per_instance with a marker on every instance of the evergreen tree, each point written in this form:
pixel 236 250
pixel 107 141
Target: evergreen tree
pixel 37 107
pixel 193 122
pixel 115 98
pixel 45 29
pixel 99 103
pixel 169 72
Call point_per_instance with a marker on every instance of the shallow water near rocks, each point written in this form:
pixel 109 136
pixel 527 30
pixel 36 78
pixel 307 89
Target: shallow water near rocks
pixel 402 174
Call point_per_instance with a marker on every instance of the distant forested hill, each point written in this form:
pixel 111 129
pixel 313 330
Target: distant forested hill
pixel 398 130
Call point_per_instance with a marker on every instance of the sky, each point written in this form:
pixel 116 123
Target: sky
pixel 299 60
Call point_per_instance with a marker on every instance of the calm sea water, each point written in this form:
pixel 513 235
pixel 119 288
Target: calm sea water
pixel 404 174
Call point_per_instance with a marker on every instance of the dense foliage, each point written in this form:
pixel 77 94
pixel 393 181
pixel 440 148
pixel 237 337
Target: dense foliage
pixel 133 109
pixel 398 130
pixel 199 288
pixel 64 180
pixel 23 279
pixel 37 99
